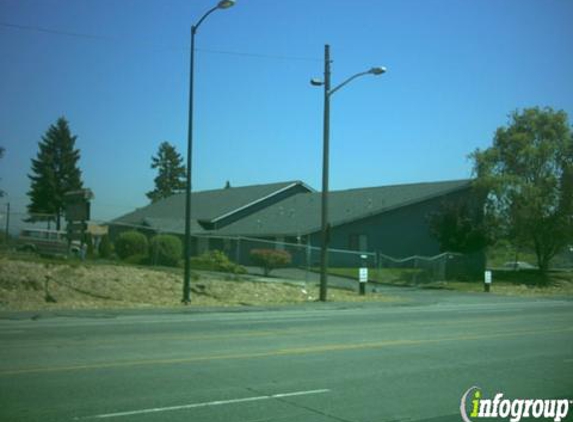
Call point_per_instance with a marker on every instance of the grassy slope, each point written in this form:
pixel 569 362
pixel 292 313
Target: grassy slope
pixel 25 283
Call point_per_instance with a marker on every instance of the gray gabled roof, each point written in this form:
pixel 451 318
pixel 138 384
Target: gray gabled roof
pixel 300 214
pixel 206 206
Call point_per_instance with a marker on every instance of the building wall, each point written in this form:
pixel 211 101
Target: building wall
pixel 399 233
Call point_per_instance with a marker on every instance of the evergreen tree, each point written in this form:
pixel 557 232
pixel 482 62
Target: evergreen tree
pixel 170 172
pixel 54 172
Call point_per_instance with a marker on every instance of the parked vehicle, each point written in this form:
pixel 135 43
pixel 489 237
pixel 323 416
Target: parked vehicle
pixel 44 242
pixel 518 265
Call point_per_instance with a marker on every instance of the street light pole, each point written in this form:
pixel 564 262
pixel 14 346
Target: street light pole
pixel 325 171
pixel 325 226
pixel 224 4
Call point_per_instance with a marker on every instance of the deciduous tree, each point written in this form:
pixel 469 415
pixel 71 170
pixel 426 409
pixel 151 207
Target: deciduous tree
pixel 459 227
pixel 529 175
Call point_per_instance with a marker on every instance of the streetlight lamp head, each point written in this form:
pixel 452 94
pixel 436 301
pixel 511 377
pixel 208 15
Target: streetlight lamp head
pixel 316 82
pixel 225 4
pixel 378 70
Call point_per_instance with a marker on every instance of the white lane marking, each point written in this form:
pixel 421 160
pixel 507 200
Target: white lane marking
pixel 206 404
pixel 277 320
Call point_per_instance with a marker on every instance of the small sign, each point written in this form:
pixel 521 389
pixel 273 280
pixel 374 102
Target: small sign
pixel 487 277
pixel 78 211
pixel 363 275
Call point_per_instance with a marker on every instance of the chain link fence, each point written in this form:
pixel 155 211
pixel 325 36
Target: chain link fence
pixel 305 257
pixel 343 263
pixel 422 269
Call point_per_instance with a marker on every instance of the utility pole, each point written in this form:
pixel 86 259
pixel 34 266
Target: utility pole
pixel 325 162
pixel 7 222
pixel 325 226
pixel 187 245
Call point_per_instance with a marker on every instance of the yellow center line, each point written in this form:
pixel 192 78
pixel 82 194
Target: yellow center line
pixel 325 348
pixel 371 327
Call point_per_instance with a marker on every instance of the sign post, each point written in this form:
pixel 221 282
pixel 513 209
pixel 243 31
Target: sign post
pixel 77 215
pixel 487 281
pixel 362 275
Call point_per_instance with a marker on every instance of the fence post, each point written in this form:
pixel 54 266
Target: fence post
pixel 238 250
pixel 377 265
pixel 308 257
pixel 156 251
pixel 443 263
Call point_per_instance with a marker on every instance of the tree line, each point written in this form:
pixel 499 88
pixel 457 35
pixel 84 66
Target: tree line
pixel 55 171
pixel 525 179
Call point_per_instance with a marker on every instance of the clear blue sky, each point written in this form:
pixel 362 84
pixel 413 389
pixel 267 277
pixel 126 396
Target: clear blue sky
pixel 456 69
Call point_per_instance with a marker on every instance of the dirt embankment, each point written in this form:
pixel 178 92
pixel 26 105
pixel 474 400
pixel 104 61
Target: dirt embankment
pixel 29 285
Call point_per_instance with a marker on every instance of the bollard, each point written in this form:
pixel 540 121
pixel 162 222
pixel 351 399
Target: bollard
pixel 362 288
pixel 487 279
pixel 362 275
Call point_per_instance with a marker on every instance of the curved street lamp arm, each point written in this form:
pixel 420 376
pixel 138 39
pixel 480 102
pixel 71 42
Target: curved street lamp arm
pixel 195 27
pixel 346 82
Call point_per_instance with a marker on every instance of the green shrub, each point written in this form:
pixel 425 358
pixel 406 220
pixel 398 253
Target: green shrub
pixel 131 243
pixel 165 249
pixel 269 259
pixel 104 248
pixel 216 261
pixel 137 259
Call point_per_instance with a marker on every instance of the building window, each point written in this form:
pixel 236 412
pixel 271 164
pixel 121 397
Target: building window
pixel 358 242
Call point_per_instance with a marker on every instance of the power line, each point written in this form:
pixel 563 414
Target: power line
pixel 258 55
pixel 202 50
pixel 55 31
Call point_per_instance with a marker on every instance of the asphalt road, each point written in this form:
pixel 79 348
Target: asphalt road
pixel 373 362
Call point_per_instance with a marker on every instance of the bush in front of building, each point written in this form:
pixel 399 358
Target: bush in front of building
pixel 131 243
pixel 137 259
pixel 216 261
pixel 165 249
pixel 270 259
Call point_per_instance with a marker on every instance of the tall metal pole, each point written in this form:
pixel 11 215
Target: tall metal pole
pixel 325 226
pixel 222 4
pixel 7 222
pixel 187 247
pixel 325 159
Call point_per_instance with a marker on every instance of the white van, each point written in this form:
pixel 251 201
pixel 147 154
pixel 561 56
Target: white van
pixel 42 241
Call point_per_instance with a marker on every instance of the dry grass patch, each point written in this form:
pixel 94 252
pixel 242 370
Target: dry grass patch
pixel 557 287
pixel 29 285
